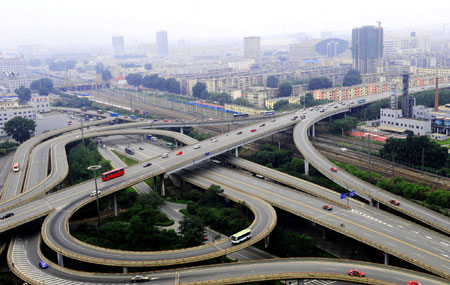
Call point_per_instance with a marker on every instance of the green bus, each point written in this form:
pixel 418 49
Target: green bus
pixel 170 145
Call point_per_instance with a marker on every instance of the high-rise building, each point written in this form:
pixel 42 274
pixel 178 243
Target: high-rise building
pixel 162 44
pixel 14 73
pixel 252 48
pixel 367 49
pixel 118 45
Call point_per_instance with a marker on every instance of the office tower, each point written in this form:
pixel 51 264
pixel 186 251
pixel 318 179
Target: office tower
pixel 162 45
pixel 367 49
pixel 252 48
pixel 118 45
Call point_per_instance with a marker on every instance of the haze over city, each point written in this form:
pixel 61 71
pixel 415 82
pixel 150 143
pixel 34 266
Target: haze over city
pixel 87 23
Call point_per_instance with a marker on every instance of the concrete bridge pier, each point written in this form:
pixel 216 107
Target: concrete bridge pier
pixel 324 233
pixel 125 269
pixel 266 241
pixel 236 152
pixel 163 189
pixel 386 258
pixel 181 130
pixel 306 167
pixel 313 130
pixel 115 204
pixel 60 259
pixel 176 143
pixel 300 281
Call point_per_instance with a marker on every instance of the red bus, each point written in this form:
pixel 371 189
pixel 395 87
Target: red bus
pixel 113 174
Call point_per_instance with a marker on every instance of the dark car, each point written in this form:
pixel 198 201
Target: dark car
pixel 239 133
pixel 148 164
pixel 42 264
pixel 7 215
pixel 141 148
pixel 262 125
pixel 327 207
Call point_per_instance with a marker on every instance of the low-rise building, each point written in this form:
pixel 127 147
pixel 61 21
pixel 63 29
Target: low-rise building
pixel 392 120
pixel 7 114
pixel 243 109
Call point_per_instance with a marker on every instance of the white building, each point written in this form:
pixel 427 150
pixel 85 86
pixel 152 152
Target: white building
pixel 41 104
pixel 13 73
pixel 392 120
pixel 7 114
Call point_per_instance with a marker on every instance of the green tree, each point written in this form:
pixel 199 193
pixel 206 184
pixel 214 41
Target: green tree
pixel 199 90
pixel 172 86
pixel 352 77
pixel 134 79
pixel 192 231
pixel 344 125
pixel 42 83
pixel 106 75
pixel 309 99
pixel 319 83
pixel 242 101
pixel 272 81
pixel 24 94
pixel 20 128
pixel 285 90
pixel 43 91
pixel 280 104
pixel 148 66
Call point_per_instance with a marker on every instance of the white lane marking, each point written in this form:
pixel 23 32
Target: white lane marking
pixel 428 237
pixel 446 244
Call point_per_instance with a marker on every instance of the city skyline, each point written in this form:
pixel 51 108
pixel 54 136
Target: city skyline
pixel 47 22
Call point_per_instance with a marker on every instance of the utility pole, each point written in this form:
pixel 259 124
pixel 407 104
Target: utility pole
pixel 423 158
pixel 95 168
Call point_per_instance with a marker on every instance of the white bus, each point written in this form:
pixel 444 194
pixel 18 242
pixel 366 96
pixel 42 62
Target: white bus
pixel 241 236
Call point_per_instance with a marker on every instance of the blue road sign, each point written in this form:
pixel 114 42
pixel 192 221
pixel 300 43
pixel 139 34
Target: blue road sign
pixel 343 195
pixel 206 154
pixel 352 193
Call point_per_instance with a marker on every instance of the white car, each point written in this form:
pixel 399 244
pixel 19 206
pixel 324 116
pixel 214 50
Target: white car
pixel 197 146
pixel 165 155
pixel 93 193
pixel 213 140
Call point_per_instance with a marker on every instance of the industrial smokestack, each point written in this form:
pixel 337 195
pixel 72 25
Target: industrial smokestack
pixel 436 96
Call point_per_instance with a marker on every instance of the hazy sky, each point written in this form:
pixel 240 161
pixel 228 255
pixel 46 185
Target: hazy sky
pixel 90 22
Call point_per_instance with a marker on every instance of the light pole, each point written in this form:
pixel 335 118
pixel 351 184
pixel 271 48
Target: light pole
pixel 95 168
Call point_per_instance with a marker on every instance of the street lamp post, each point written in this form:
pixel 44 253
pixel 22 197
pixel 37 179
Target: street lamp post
pixel 95 168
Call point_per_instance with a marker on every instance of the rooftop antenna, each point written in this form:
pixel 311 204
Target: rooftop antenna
pixel 379 23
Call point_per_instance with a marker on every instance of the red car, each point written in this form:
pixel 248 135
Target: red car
pixel 253 130
pixel 327 207
pixel 179 153
pixel 165 121
pixel 334 169
pixel 414 283
pixel 356 272
pixel 395 202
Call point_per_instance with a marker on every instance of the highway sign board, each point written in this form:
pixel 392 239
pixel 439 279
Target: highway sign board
pixel 352 193
pixel 343 195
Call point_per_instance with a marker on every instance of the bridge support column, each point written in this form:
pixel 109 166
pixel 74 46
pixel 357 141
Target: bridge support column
pixel 115 205
pixel 163 189
pixel 266 241
pixel 386 258
pixel 300 281
pixel 60 259
pixel 313 130
pixel 142 138
pixel 236 152
pixel 181 130
pixel 306 167
pixel 125 269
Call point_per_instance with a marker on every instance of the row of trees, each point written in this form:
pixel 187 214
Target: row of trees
pixel 153 81
pixel 44 86
pixel 414 148
pixel 61 65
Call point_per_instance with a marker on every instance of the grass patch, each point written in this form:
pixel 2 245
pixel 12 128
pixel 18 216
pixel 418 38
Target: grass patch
pixel 128 161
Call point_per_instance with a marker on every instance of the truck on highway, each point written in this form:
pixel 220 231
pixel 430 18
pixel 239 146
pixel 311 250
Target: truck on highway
pixel 361 101
pixel 114 114
pixel 100 112
pixel 133 117
pixel 149 137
